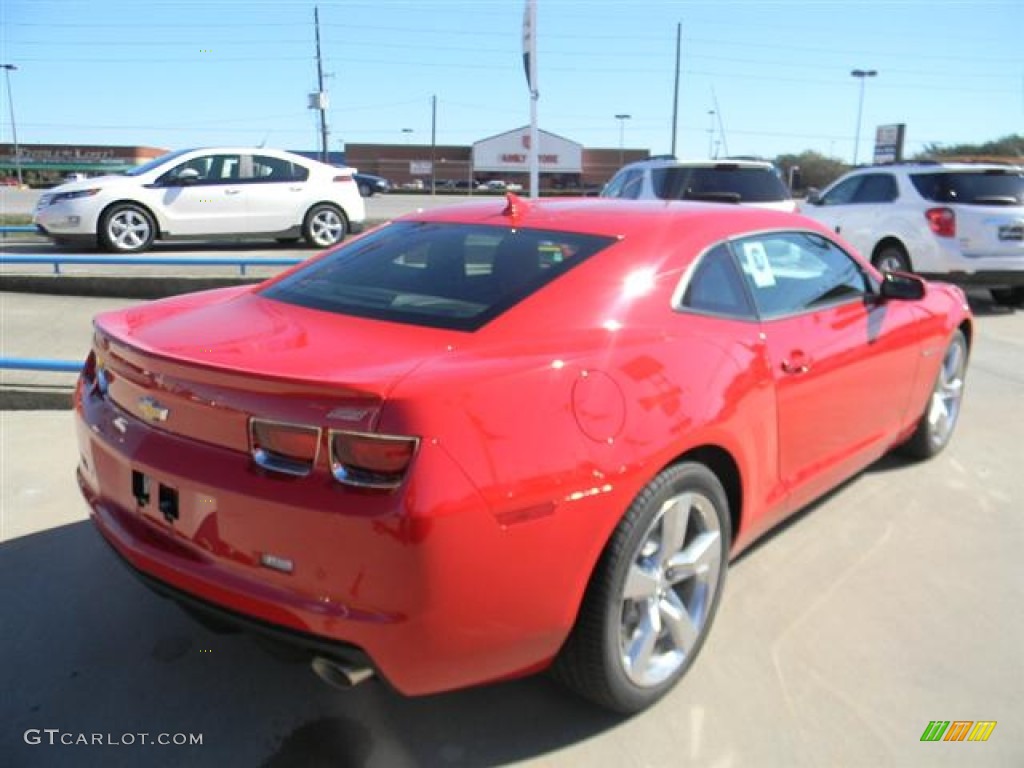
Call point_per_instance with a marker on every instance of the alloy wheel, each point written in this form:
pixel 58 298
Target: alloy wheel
pixel 670 588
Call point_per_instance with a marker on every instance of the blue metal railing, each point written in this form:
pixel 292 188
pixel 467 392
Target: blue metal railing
pixel 41 364
pixel 26 228
pixel 242 262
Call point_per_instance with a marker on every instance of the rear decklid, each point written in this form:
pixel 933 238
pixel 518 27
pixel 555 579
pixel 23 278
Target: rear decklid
pixel 988 204
pixel 200 365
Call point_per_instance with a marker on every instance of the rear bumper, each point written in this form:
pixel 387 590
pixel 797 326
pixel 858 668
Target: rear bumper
pixel 424 586
pixel 223 619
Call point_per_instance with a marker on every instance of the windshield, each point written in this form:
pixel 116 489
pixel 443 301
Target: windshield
pixel 455 276
pixel 988 187
pixel 726 182
pixel 155 163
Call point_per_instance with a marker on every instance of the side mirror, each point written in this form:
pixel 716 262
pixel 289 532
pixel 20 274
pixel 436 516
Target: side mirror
pixel 901 287
pixel 813 196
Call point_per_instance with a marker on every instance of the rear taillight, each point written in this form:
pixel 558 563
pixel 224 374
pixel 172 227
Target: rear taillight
pixel 94 378
pixel 290 449
pixel 942 221
pixel 371 460
pixel 343 178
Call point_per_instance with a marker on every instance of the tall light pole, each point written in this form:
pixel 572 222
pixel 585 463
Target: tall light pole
pixel 622 137
pixel 860 74
pixel 8 68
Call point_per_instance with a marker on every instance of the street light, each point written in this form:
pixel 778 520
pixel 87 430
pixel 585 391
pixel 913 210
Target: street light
pixel 8 68
pixel 860 74
pixel 622 136
pixel 407 131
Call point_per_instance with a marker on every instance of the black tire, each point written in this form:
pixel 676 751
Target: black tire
pixel 126 228
pixel 937 423
pixel 1008 297
pixel 596 661
pixel 366 190
pixel 324 226
pixel 892 258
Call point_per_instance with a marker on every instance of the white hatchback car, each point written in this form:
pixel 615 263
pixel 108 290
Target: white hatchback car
pixel 747 182
pixel 958 222
pixel 206 193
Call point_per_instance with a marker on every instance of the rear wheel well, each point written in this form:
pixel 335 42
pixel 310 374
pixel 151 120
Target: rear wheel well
pixel 721 462
pixel 968 331
pixel 890 242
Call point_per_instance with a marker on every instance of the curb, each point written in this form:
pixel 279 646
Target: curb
pixel 19 398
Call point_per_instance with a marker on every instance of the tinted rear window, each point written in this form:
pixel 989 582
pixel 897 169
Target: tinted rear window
pixel 726 183
pixel 454 276
pixel 972 187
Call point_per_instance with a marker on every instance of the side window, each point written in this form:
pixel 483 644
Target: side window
pixel 716 286
pixel 843 193
pixel 209 169
pixel 614 187
pixel 275 169
pixel 792 272
pixel 876 188
pixel 633 184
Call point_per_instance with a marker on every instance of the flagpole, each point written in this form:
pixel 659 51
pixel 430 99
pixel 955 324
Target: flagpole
pixel 530 60
pixel 534 147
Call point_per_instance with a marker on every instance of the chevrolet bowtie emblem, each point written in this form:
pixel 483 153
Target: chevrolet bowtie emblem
pixel 151 410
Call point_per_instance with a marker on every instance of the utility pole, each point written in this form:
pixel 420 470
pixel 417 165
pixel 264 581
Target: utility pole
pixel 321 97
pixel 675 97
pixel 433 143
pixel 8 68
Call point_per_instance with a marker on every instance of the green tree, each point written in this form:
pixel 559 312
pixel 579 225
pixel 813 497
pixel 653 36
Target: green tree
pixel 815 169
pixel 1010 147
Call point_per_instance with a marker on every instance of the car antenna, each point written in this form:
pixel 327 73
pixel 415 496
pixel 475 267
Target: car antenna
pixel 515 207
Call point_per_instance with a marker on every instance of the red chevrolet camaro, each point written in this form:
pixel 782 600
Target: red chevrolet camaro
pixel 485 440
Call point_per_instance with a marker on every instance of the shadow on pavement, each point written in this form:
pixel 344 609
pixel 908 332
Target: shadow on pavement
pixel 89 650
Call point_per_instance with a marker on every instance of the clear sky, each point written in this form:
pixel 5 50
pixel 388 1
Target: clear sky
pixel 177 73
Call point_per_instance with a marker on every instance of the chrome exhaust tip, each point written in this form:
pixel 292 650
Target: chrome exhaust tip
pixel 340 675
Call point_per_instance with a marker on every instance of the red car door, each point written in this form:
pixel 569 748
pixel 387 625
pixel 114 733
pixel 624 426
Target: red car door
pixel 843 362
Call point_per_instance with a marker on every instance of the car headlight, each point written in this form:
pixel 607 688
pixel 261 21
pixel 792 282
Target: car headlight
pixel 61 196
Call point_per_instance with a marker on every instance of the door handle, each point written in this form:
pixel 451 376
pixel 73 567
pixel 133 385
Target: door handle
pixel 232 191
pixel 796 364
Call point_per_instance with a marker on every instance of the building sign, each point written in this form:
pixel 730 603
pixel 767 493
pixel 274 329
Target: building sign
pixel 510 153
pixel 889 143
pixel 420 167
pixel 41 153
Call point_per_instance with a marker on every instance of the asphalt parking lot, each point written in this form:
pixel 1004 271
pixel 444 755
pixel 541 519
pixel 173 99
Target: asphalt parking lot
pixel 894 602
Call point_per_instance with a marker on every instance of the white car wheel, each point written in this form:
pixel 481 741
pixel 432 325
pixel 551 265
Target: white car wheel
pixel 126 228
pixel 324 226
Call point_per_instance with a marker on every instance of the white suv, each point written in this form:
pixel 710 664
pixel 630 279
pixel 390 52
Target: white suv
pixel 748 182
pixel 206 193
pixel 959 222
